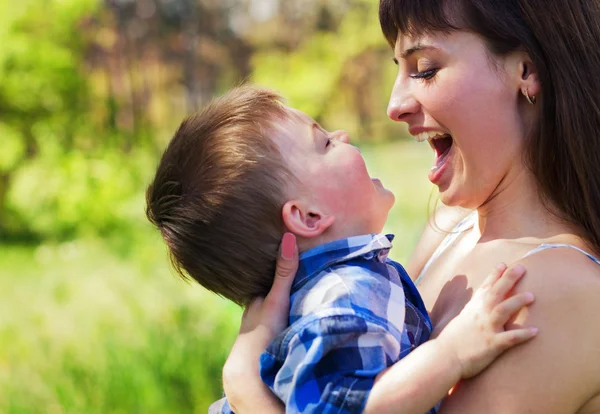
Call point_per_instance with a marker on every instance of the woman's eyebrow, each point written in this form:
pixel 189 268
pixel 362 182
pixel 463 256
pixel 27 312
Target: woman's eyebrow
pixel 416 48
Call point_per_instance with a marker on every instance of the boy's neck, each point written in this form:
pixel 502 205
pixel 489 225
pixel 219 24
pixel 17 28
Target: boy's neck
pixel 307 243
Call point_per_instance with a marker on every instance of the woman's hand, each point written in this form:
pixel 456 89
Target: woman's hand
pixel 262 321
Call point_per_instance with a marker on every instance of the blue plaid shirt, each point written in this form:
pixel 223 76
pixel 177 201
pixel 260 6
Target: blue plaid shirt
pixel 353 313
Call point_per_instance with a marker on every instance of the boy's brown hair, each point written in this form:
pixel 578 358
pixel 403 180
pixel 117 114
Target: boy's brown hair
pixel 218 193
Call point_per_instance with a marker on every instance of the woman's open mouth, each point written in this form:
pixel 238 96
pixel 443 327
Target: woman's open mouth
pixel 442 147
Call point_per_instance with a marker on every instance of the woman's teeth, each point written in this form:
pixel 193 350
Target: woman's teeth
pixel 425 136
pixel 440 142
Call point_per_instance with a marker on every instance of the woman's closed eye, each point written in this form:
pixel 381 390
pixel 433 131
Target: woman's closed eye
pixel 425 74
pixel 425 69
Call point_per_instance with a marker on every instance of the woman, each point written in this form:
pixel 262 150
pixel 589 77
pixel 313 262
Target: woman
pixel 507 95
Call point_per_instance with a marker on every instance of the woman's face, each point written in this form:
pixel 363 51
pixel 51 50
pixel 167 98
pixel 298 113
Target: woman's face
pixel 463 100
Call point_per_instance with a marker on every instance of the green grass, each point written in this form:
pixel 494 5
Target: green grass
pixel 86 330
pixel 83 331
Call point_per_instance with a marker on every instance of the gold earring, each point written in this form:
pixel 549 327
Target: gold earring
pixel 530 99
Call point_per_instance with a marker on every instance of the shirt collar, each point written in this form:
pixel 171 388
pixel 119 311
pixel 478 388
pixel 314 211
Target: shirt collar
pixel 323 256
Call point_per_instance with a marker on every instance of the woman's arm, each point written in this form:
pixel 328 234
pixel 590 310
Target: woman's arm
pixel 245 391
pixel 262 320
pixel 558 372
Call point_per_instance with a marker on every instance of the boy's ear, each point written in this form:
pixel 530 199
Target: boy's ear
pixel 304 221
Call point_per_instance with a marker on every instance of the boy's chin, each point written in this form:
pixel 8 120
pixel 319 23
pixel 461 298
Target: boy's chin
pixel 386 198
pixel 379 226
pixel 384 219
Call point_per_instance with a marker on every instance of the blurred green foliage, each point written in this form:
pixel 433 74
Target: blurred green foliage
pixel 309 75
pixel 92 319
pixel 44 96
pixel 96 334
pixel 82 116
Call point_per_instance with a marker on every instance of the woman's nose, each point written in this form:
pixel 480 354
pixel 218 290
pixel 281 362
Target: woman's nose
pixel 341 135
pixel 402 104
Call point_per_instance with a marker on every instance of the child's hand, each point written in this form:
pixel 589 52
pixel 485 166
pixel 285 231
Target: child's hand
pixel 478 335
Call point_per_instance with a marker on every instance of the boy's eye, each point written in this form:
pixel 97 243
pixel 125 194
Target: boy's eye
pixel 327 142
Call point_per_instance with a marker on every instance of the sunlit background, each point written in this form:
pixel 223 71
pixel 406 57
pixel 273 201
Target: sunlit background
pixel 92 319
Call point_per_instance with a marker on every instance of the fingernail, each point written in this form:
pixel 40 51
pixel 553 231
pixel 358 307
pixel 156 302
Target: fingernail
pixel 519 268
pixel 534 331
pixel 288 246
pixel 529 297
pixel 500 266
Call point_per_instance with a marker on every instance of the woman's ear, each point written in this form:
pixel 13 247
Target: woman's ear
pixel 529 77
pixel 304 221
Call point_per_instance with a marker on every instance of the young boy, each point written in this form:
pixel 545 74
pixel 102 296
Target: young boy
pixel 247 169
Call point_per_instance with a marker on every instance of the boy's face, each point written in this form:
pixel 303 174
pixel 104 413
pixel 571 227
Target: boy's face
pixel 332 176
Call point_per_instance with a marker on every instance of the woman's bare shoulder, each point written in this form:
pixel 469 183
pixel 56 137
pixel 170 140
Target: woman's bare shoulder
pixel 563 272
pixel 557 371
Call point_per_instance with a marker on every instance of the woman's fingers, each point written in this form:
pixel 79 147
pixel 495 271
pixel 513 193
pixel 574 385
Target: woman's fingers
pixel 276 306
pixel 502 312
pixel 278 297
pixel 272 311
pixel 506 283
pixel 287 265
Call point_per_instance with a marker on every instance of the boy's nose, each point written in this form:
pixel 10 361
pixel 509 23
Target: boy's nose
pixel 341 135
